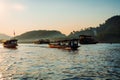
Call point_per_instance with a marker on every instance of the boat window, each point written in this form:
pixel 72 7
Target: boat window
pixel 75 42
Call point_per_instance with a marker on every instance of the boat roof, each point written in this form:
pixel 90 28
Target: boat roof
pixel 66 40
pixel 10 40
pixel 85 36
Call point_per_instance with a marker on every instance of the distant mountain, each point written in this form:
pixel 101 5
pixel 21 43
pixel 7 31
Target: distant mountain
pixel 39 34
pixel 110 30
pixel 3 36
pixel 106 32
pixel 87 31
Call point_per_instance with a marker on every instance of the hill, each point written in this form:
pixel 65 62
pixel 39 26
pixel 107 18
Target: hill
pixel 3 36
pixel 106 32
pixel 39 34
pixel 110 30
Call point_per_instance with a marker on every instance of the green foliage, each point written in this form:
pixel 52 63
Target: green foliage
pixel 106 32
pixel 40 34
pixel 110 31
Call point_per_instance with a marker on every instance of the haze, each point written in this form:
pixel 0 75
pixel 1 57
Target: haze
pixel 62 15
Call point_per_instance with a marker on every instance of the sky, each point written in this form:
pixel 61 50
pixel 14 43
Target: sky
pixel 63 15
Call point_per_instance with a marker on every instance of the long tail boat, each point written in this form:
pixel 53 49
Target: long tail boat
pixel 10 43
pixel 65 44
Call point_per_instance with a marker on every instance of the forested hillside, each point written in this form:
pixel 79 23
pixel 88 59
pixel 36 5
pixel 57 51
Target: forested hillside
pixel 40 34
pixel 106 32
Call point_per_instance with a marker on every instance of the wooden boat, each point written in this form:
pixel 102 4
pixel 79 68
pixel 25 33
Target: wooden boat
pixel 10 43
pixel 65 44
pixel 53 45
pixel 42 41
pixel 86 39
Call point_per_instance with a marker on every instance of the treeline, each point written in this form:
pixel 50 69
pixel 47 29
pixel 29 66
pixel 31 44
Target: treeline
pixel 106 32
pixel 39 35
pixel 109 31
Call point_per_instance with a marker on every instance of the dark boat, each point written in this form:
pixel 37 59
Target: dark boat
pixel 42 41
pixel 10 43
pixel 86 39
pixel 65 44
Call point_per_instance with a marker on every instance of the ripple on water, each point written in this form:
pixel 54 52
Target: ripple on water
pixel 34 62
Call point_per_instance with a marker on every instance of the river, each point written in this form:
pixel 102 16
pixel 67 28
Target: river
pixel 39 62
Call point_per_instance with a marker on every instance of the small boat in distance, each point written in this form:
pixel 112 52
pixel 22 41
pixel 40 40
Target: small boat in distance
pixel 65 44
pixel 10 43
pixel 87 39
pixel 42 41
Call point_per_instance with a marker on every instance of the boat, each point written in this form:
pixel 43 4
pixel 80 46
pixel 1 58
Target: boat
pixel 10 43
pixel 65 44
pixel 87 39
pixel 54 45
pixel 42 41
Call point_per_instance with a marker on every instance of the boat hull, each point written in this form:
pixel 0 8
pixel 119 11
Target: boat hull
pixel 10 43
pixel 63 47
pixel 54 46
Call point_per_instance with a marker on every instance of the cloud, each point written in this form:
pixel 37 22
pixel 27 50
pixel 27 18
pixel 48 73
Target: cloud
pixel 18 7
pixel 7 7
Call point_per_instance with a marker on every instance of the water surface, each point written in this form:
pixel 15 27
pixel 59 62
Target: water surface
pixel 39 62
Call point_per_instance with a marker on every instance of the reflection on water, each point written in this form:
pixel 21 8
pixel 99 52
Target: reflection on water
pixel 38 62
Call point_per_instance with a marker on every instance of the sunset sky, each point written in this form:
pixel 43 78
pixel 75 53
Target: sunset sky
pixel 62 15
